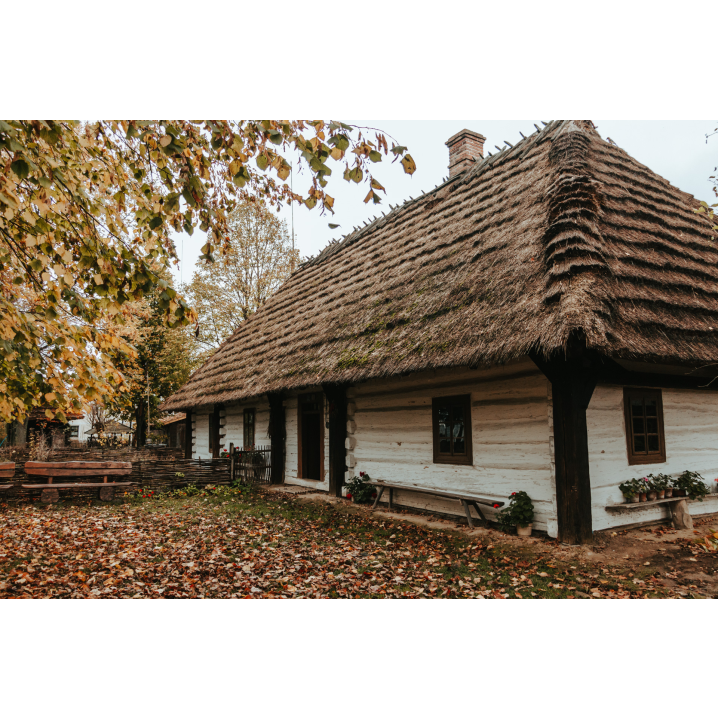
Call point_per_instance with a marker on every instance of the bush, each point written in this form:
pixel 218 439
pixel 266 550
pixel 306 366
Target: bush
pixel 519 512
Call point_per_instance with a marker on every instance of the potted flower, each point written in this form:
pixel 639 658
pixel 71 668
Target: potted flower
pixel 691 484
pixel 359 490
pixel 642 488
pixel 519 513
pixel 630 491
pixel 662 484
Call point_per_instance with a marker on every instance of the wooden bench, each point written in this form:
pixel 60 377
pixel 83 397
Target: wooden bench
pixel 7 471
pixel 77 469
pixel 466 500
pixel 678 506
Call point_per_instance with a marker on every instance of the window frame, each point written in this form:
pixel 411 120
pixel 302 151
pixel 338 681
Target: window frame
pixel 253 412
pixel 436 404
pixel 642 459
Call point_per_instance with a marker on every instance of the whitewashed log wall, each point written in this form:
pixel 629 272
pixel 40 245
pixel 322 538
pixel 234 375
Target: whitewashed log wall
pixel 391 437
pixel 691 429
pixel 291 467
pixel 231 431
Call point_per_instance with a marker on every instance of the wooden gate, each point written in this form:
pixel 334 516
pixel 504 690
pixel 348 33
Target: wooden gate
pixel 253 465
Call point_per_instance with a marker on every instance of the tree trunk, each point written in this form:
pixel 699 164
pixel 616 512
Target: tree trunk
pixel 141 428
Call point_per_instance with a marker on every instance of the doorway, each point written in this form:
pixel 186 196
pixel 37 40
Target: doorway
pixel 311 437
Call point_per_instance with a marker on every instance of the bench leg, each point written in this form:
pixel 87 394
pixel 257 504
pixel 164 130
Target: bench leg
pixel 50 496
pixel 467 509
pixel 681 518
pixel 391 499
pixel 107 493
pixel 378 498
pixel 480 513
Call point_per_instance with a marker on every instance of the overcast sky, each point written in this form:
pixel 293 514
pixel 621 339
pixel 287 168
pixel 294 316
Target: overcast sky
pixel 676 150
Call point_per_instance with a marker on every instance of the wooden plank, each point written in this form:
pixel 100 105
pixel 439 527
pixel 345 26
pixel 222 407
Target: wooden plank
pixel 77 465
pixel 467 509
pixel 75 486
pixel 438 492
pixel 648 504
pixel 7 474
pixel 6 487
pixel 78 472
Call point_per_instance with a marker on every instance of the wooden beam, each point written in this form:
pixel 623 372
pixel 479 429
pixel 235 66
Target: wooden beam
pixel 337 399
pixel 188 435
pixel 573 378
pixel 277 435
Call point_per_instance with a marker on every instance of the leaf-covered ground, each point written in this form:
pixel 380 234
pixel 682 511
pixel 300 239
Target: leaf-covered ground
pixel 245 543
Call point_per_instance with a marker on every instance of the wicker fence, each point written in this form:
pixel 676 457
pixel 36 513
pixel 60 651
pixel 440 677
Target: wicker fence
pixel 152 470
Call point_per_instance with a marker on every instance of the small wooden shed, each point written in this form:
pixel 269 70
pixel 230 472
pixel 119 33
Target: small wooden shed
pixel 545 320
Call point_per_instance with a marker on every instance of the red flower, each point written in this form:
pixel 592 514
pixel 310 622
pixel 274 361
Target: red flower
pixel 361 473
pixel 497 506
pixel 349 496
pixel 514 494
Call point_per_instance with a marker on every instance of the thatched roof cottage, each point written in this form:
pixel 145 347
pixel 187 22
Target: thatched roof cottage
pixel 545 320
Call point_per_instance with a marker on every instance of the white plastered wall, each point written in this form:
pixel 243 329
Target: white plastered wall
pixel 691 430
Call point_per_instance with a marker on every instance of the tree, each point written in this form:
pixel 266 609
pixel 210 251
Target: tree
pixel 88 210
pixel 258 259
pixel 162 362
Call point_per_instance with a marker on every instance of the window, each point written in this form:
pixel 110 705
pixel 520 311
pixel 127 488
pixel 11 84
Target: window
pixel 249 416
pixel 74 432
pixel 644 426
pixel 452 430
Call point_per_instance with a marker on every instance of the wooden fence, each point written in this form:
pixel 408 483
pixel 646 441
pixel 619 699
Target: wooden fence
pixel 253 465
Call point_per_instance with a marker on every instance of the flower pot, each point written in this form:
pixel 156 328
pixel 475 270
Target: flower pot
pixel 524 531
pixel 661 494
pixel 634 499
pixel 643 498
pixel 652 495
pixel 679 492
pixel 669 493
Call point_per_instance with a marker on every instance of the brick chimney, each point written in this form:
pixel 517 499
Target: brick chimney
pixel 463 147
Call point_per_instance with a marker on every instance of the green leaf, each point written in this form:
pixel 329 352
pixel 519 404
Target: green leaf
pixel 334 226
pixel 262 162
pixel 375 156
pixel 20 168
pixel 409 165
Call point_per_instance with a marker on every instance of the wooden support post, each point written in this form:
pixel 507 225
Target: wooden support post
pixel 188 435
pixel 277 434
pixel 337 405
pixel 231 462
pixel 378 497
pixel 573 379
pixel 467 509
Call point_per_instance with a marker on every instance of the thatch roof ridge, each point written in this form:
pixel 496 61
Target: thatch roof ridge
pixel 562 232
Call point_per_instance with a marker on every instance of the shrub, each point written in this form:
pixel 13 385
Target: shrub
pixel 519 512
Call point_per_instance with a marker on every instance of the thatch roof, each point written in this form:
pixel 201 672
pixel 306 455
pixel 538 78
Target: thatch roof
pixel 564 232
pixel 111 427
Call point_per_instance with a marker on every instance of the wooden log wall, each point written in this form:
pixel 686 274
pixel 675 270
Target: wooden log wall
pixel 153 474
pixel 390 437
pixel 691 429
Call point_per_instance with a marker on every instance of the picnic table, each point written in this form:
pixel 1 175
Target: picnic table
pixel 77 469
pixel 467 500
